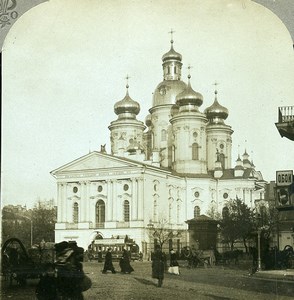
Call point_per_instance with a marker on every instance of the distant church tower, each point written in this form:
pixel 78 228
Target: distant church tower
pixel 188 125
pixel 163 99
pixel 126 132
pixel 219 136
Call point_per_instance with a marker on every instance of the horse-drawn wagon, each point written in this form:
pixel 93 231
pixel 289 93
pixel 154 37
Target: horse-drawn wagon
pixel 19 264
pixel 197 258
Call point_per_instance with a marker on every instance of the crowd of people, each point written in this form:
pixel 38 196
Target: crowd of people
pixel 65 279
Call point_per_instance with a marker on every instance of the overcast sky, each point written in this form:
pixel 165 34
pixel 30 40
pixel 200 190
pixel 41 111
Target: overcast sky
pixel 64 64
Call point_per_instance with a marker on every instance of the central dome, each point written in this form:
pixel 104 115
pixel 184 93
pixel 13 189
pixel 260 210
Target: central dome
pixel 172 54
pixel 167 91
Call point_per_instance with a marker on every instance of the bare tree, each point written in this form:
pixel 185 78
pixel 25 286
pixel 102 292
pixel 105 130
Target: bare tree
pixel 161 231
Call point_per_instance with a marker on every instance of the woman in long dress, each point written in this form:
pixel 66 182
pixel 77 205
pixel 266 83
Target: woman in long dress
pixel 174 265
pixel 124 263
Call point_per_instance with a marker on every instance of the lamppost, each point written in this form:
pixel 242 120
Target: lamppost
pixel 258 249
pixel 150 227
pixel 31 220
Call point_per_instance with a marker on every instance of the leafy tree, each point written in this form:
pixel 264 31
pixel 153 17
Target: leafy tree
pixel 44 219
pixel 32 225
pixel 237 222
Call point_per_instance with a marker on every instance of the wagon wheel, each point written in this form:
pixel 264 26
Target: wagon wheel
pixel 14 255
pixel 187 252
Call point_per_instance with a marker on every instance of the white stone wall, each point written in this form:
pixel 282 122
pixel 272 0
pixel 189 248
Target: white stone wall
pixel 216 137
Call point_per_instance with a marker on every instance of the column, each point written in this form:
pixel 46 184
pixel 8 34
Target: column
pixel 114 200
pixel 87 206
pixel 64 203
pixel 83 201
pixel 59 203
pixel 134 205
pixel 140 198
pixel 109 200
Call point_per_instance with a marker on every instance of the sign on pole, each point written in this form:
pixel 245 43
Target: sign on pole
pixel 284 178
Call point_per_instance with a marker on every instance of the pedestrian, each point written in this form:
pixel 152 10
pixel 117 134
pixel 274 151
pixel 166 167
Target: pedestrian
pixel 158 265
pixel 254 254
pixel 174 265
pixel 108 262
pixel 124 263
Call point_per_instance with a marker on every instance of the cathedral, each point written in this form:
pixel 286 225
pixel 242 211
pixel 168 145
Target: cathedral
pixel 174 167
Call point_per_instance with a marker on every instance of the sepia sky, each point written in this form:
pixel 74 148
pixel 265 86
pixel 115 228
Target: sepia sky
pixel 65 63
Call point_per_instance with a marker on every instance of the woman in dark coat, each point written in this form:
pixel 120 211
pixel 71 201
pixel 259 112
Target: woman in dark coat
pixel 108 262
pixel 158 265
pixel 124 263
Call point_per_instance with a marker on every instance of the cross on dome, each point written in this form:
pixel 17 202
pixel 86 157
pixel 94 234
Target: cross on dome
pixel 189 70
pixel 171 35
pixel 127 79
pixel 215 84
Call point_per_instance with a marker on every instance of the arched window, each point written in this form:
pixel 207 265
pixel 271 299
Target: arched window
pixel 100 213
pixel 195 154
pixel 222 160
pixel 225 212
pixel 196 212
pixel 163 135
pixel 75 212
pixel 169 213
pixel 126 211
pixel 175 69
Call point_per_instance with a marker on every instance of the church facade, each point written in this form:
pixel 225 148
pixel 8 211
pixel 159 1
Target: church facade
pixel 172 168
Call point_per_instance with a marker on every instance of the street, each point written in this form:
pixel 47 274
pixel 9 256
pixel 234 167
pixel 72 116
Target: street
pixel 218 282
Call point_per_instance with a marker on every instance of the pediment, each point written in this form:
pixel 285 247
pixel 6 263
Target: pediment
pixel 94 161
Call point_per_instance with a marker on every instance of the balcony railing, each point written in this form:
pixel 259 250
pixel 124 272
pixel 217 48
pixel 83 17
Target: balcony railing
pixel 286 114
pixel 285 124
pixel 100 225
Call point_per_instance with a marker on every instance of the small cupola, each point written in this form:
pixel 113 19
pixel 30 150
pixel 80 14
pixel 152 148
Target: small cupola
pixel 127 107
pixel 189 100
pixel 216 113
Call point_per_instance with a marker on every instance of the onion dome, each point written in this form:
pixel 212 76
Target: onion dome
pixel 239 164
pixel 189 96
pixel 172 54
pixel 246 161
pixel 148 121
pixel 216 113
pixel 127 105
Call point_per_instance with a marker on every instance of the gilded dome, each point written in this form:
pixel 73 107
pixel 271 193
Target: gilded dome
pixel 172 54
pixel 167 91
pixel 189 96
pixel 127 105
pixel 216 111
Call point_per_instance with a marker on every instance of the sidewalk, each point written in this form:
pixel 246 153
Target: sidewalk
pixel 287 274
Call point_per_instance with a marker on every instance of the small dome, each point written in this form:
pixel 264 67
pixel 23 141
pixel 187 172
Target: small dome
pixel 189 96
pixel 148 121
pixel 167 91
pixel 172 54
pixel 127 105
pixel 174 110
pixel 216 110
